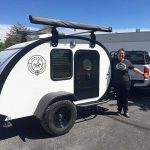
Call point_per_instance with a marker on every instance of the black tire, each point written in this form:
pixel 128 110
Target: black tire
pixel 59 117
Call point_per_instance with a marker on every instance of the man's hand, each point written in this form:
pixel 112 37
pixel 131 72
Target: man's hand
pixel 146 75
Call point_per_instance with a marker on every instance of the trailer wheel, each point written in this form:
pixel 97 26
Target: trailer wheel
pixel 59 117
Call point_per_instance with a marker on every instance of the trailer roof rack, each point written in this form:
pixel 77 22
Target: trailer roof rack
pixel 54 23
pixel 25 33
pixel 34 32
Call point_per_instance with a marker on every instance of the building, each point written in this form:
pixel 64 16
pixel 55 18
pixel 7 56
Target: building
pixel 139 40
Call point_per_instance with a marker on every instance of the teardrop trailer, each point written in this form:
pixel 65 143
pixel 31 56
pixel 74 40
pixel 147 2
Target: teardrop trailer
pixel 50 77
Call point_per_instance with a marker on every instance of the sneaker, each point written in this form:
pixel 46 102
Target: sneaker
pixel 118 113
pixel 126 114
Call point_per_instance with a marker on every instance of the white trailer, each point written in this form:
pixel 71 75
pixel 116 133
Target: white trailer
pixel 49 77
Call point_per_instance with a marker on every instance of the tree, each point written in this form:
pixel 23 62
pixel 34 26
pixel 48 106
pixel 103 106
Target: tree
pixel 2 46
pixel 13 38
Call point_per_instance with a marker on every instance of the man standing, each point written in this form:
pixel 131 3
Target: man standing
pixel 121 80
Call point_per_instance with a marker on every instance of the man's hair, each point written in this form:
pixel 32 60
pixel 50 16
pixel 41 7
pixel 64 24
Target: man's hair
pixel 121 49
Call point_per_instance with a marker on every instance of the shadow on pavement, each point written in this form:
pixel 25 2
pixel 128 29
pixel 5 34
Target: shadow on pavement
pixel 88 113
pixel 140 98
pixel 28 127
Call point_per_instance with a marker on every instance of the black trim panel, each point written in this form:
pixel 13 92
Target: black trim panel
pixel 51 98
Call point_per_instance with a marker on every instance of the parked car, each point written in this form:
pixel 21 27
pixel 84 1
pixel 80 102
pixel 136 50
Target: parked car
pixel 141 60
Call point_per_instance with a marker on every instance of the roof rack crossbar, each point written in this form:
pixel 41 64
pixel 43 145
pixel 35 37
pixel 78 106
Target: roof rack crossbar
pixel 67 24
pixel 32 32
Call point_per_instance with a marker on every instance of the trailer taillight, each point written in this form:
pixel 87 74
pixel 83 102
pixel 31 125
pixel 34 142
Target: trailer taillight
pixel 146 70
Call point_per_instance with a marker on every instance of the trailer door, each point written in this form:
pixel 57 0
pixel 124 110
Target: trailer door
pixel 86 74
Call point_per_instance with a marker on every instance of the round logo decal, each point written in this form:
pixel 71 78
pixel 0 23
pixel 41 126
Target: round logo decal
pixel 37 64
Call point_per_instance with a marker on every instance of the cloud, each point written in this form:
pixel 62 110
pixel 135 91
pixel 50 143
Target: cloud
pixel 4 28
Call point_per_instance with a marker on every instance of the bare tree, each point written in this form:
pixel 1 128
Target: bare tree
pixel 12 37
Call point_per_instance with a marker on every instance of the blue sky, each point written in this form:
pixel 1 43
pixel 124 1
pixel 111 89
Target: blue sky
pixel 120 14
pixel 115 13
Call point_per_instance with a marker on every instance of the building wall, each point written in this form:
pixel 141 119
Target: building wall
pixel 129 41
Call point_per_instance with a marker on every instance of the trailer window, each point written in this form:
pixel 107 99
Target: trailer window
pixel 61 64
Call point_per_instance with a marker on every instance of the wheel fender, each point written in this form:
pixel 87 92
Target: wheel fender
pixel 50 98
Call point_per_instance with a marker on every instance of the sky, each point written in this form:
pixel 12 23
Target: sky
pixel 121 15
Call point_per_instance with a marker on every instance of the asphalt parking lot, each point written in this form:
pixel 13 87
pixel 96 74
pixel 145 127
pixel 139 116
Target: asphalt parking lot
pixel 101 130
